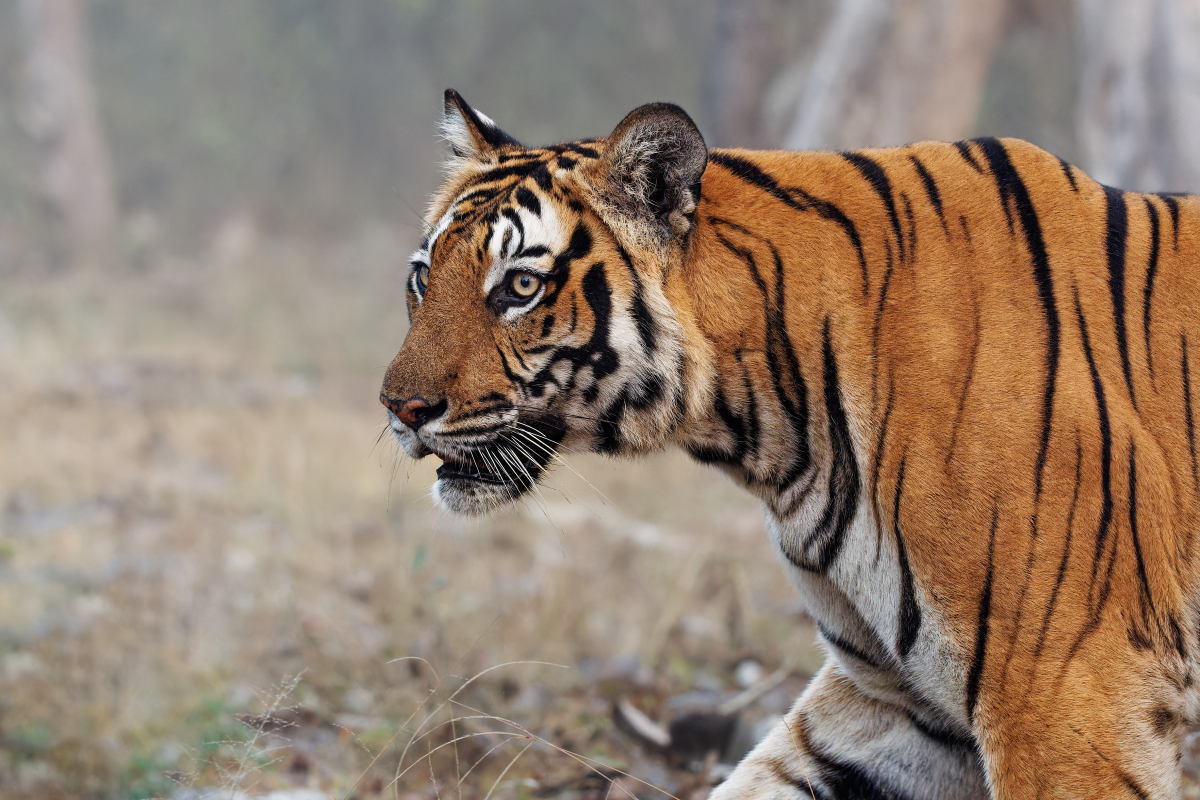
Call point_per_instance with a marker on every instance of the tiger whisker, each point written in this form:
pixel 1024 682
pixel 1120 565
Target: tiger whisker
pixel 540 440
pixel 520 447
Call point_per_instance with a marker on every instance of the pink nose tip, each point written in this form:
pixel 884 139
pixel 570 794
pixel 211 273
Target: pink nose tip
pixel 413 412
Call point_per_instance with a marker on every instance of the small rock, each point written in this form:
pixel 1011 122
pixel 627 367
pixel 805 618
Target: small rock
pixel 748 672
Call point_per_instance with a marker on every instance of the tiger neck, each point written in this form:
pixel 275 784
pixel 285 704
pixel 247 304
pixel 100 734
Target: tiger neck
pixel 765 334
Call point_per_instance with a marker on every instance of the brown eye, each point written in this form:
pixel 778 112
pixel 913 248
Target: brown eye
pixel 422 278
pixel 525 284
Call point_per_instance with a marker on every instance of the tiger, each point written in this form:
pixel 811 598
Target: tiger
pixel 957 377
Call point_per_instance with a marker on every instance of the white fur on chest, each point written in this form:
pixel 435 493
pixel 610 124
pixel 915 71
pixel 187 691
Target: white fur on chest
pixel 859 599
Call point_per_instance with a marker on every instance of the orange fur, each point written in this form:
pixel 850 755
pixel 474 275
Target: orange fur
pixel 1017 438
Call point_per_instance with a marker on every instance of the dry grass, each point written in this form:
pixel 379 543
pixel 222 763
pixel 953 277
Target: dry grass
pixel 193 511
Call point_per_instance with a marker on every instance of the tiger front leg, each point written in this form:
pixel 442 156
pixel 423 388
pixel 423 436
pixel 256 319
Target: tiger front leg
pixel 838 742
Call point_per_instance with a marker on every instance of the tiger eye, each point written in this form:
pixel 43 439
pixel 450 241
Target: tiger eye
pixel 525 284
pixel 422 278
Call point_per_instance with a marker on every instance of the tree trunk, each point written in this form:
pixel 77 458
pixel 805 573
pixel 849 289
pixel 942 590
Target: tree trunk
pixel 895 71
pixel 743 57
pixel 1139 93
pixel 61 117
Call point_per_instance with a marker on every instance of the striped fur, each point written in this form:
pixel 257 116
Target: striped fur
pixel 957 375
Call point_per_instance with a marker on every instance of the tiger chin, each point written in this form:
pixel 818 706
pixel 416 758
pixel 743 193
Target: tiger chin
pixel 958 376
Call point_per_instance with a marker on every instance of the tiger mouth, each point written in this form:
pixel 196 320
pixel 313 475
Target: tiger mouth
pixel 463 471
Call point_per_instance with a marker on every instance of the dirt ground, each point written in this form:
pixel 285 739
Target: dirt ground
pixel 213 575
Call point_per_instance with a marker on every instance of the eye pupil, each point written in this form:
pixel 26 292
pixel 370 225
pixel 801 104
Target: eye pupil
pixel 525 285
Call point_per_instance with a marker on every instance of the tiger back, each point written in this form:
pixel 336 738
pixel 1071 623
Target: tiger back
pixel 957 375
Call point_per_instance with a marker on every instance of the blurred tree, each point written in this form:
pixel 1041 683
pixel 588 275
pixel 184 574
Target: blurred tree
pixel 743 56
pixel 60 115
pixel 895 71
pixel 1139 92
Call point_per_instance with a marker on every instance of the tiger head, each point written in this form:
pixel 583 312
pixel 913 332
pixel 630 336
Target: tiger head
pixel 541 307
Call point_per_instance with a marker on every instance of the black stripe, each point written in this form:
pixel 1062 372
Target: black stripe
pixel 779 348
pixel 515 218
pixel 1147 597
pixel 1148 293
pixel 981 629
pixel 1173 207
pixel 847 780
pixel 578 247
pixel 752 432
pixel 1016 629
pixel 942 736
pixel 912 225
pixel 529 201
pixel 880 440
pixel 1069 172
pixel 748 431
pixel 521 361
pixel 541 176
pixel 1129 782
pixel 528 155
pixel 964 149
pixel 931 190
pixel 795 198
pixel 608 438
pixel 537 251
pixel 1062 564
pixel 733 422
pixel 822 545
pixel 485 195
pixel 847 647
pixel 508 373
pixel 877 325
pixel 519 170
pixel 797 409
pixel 1177 637
pixel 577 147
pixel 1116 240
pixel 1097 599
pixel 1011 187
pixel 598 354
pixel 844 486
pixel 1187 406
pixel 878 179
pixel 647 328
pixel 962 398
pixel 842 779
pixel 882 435
pixel 909 620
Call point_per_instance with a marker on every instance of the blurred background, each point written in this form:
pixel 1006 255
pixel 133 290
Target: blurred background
pixel 214 581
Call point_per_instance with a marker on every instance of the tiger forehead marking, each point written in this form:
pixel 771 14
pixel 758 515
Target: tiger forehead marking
pixel 957 375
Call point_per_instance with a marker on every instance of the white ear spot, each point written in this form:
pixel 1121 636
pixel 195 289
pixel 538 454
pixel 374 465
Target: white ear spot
pixel 485 119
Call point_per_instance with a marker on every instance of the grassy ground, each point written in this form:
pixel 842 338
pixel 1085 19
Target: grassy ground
pixel 208 568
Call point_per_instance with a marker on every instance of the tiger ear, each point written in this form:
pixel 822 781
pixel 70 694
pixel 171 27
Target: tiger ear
pixel 656 157
pixel 470 133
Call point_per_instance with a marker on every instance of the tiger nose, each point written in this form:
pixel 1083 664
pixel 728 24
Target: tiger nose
pixel 415 411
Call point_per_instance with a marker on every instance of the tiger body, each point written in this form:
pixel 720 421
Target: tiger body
pixel 957 376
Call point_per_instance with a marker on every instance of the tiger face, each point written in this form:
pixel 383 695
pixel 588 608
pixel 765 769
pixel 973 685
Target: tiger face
pixel 539 316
